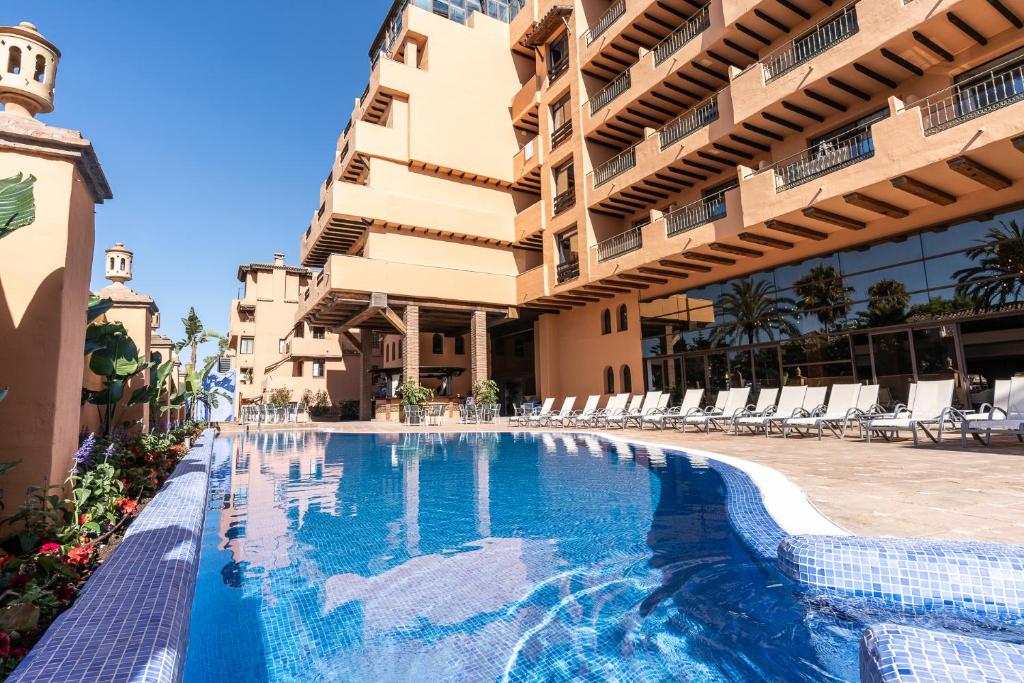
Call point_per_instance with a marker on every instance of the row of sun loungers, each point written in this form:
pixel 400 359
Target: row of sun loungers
pixel 800 411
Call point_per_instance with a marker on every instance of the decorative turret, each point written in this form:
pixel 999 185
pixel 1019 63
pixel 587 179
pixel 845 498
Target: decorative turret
pixel 118 264
pixel 28 71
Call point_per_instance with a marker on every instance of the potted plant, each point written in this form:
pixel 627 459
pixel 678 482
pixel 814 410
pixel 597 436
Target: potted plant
pixel 413 394
pixel 485 392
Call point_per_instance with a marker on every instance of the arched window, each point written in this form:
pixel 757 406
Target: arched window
pixel 609 380
pixel 627 380
pixel 460 346
pixel 606 321
pixel 623 318
pixel 40 73
pixel 437 344
pixel 387 353
pixel 14 60
pixel 122 263
pixel 111 262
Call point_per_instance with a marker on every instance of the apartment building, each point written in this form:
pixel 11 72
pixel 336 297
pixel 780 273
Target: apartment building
pixel 272 351
pixel 666 193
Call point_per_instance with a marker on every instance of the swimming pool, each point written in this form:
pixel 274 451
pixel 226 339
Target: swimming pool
pixel 524 557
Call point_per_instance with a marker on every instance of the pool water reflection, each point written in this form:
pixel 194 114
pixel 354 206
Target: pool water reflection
pixel 487 557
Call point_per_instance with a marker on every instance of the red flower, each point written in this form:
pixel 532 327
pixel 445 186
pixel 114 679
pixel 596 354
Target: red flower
pixel 82 519
pixel 5 644
pixel 80 555
pixel 127 505
pixel 19 580
pixel 50 549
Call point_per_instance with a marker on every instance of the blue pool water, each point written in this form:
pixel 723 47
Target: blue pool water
pixel 487 557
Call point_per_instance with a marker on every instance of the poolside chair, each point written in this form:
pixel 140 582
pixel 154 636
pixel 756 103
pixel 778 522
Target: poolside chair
pixel 663 401
pixel 663 418
pixel 624 412
pixel 697 416
pixel 736 404
pixel 615 407
pixel 1000 402
pixel 576 416
pixel 649 405
pixel 546 418
pixel 842 403
pixel 933 406
pixel 765 403
pixel 791 401
pixel 1010 420
pixel 542 414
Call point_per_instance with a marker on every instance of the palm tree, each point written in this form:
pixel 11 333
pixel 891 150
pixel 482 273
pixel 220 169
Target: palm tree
pixel 751 308
pixel 821 291
pixel 887 304
pixel 998 274
pixel 195 334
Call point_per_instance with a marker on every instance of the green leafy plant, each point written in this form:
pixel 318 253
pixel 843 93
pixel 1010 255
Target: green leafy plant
pixel 196 335
pixel 193 393
pixel 485 392
pixel 280 397
pixel 821 291
pixel 94 496
pixel 17 203
pixel 115 360
pixel 751 308
pixel 414 394
pixel 998 274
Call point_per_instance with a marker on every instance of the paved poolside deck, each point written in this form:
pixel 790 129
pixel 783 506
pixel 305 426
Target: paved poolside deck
pixel 877 489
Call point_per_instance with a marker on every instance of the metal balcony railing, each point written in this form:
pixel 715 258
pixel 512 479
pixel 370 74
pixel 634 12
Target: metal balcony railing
pixel 607 19
pixel 698 213
pixel 825 157
pixel 557 69
pixel 563 201
pixel 831 31
pixel 618 164
pixel 698 116
pixel 568 269
pixel 623 243
pixel 693 27
pixel 608 93
pixel 561 134
pixel 996 88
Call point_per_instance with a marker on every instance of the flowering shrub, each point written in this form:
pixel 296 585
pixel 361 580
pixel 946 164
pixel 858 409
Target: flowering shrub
pixel 54 551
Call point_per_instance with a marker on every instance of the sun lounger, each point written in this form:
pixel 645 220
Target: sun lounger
pixel 649 405
pixel 579 416
pixel 765 404
pixel 842 405
pixel 1010 421
pixel 565 410
pixel 932 408
pixel 697 415
pixel 542 414
pixel 791 401
pixel 663 418
pixel 735 402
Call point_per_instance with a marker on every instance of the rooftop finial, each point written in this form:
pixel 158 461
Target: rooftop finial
pixel 118 264
pixel 28 71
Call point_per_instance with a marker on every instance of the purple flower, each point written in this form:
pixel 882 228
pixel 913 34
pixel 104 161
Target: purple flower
pixel 110 451
pixel 83 456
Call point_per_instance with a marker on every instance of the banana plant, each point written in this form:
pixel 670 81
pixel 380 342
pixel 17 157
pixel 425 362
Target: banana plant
pixel 17 203
pixel 193 393
pixel 115 360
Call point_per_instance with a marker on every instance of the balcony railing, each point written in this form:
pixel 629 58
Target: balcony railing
pixel 698 116
pixel 623 243
pixel 831 31
pixel 825 157
pixel 608 93
pixel 561 134
pixel 999 87
pixel 563 201
pixel 693 27
pixel 607 19
pixel 557 69
pixel 617 165
pixel 568 270
pixel 698 213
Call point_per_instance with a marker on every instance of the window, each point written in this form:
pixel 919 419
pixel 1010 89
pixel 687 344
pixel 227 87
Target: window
pixel 627 380
pixel 518 348
pixel 437 344
pixel 282 346
pixel 460 346
pixel 564 187
pixel 561 121
pixel 609 380
pixel 300 331
pixel 566 245
pixel 623 318
pixel 246 345
pixel 318 332
pixel 111 263
pixel 558 56
pixel 40 73
pixel 14 61
pixel 246 375
pixel 606 321
pixel 297 369
pixel 318 368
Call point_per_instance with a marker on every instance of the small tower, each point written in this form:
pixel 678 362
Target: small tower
pixel 28 71
pixel 118 264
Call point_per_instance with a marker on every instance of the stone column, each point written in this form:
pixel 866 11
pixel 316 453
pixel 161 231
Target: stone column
pixel 480 369
pixel 365 378
pixel 411 352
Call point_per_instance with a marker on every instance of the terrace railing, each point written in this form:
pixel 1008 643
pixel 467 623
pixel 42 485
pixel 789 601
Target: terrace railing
pixel 698 213
pixel 567 270
pixel 564 201
pixel 623 243
pixel 693 27
pixel 996 88
pixel 823 158
pixel 561 134
pixel 607 19
pixel 557 69
pixel 617 165
pixel 608 93
pixel 698 116
pixel 831 31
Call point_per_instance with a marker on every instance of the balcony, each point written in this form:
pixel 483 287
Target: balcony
pixel 827 33
pixel 604 23
pixel 307 347
pixel 608 93
pixel 561 134
pixel 557 69
pixel 526 163
pixel 824 158
pixel 568 270
pixel 617 165
pixel 698 116
pixel 564 201
pixel 525 105
pixel 999 87
pixel 702 212
pixel 693 27
pixel 620 244
pixel 530 223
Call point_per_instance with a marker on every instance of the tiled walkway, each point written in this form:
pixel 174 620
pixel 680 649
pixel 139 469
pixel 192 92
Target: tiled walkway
pixel 876 489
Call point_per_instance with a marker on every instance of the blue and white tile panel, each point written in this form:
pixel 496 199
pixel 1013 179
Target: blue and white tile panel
pixel 131 621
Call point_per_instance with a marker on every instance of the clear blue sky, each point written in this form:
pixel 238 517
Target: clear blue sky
pixel 215 122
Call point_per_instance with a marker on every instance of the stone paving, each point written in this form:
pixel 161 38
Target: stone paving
pixel 877 489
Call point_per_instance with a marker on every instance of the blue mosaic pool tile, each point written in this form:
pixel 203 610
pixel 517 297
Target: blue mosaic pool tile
pixel 903 654
pixel 984 579
pixel 131 621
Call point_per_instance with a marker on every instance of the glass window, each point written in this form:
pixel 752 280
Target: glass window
pixel 558 53
pixel 246 375
pixel 300 331
pixel 893 369
pixel 518 348
pixel 282 346
pixel 245 346
pixel 565 178
pixel 460 346
pixel 623 318
pixel 318 368
pixel 297 368
pixel 318 332
pixel 567 244
pixel 627 379
pixel 560 113
pixel 437 344
pixel 766 366
pixel 609 381
pixel 606 321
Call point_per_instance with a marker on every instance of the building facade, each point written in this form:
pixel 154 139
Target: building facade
pixel 272 350
pixel 659 193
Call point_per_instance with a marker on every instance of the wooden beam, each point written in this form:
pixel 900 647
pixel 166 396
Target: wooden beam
pixel 669 263
pixel 607 288
pixel 1018 143
pixel 876 205
pixel 932 46
pixel 900 61
pixel 802 111
pixel 763 241
pixel 769 19
pixel 797 230
pixel 576 298
pixel 643 278
pixel 709 258
pixel 803 14
pixel 600 295
pixel 967 29
pixel 846 87
pixel 915 187
pixel 828 101
pixel 362 316
pixel 394 319
pixel 663 271
pixel 763 131
pixel 626 283
pixel 1007 13
pixel 737 251
pixel 834 218
pixel 979 173
pixel 354 340
pixel 564 305
pixel 782 122
pixel 874 75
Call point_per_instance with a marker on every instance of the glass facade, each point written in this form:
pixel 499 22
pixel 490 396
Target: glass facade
pixel 456 10
pixel 947 301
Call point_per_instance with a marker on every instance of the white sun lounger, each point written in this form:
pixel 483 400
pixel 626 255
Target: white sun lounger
pixel 562 413
pixel 698 414
pixel 542 414
pixel 649 405
pixel 791 400
pixel 1000 403
pixel 842 406
pixel 662 418
pixel 933 406
pixel 615 406
pixel 1011 420
pixel 764 406
pixel 577 416
pixel 735 402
